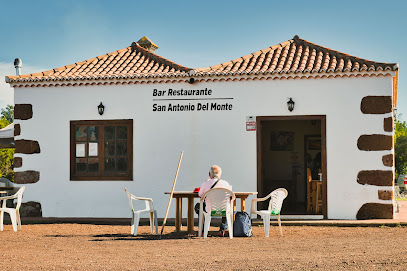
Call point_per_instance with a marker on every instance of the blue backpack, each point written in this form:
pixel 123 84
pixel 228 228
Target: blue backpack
pixel 242 227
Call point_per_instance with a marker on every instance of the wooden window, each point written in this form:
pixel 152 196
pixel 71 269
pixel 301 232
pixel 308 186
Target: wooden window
pixel 102 150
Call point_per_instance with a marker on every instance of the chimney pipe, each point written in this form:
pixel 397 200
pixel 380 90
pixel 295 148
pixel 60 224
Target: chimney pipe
pixel 18 64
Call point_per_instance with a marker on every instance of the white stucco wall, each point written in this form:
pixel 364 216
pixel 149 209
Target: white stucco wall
pixel 210 137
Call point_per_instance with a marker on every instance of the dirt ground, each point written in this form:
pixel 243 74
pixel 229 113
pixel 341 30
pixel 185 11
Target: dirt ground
pixel 106 247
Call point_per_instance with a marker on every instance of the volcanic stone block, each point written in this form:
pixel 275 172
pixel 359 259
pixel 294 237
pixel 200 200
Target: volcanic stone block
pixel 17 129
pixel 27 146
pixel 29 176
pixel 376 177
pixel 388 160
pixel 375 211
pixel 31 209
pixel 385 194
pixel 376 105
pixel 388 124
pixel 18 162
pixel 375 142
pixel 23 111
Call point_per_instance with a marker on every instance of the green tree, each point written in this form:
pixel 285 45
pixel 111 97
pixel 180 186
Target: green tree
pixel 8 113
pixel 6 164
pixel 400 147
pixel 7 155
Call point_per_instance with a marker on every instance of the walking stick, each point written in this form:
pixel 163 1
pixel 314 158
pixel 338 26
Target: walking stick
pixel 172 192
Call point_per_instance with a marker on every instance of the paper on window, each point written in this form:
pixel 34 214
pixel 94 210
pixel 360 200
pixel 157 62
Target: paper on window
pixel 93 149
pixel 80 150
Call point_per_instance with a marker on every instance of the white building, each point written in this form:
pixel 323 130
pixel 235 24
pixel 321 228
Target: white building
pixel 76 162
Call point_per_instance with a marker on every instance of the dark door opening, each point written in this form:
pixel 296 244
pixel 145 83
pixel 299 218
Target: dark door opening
pixel 286 147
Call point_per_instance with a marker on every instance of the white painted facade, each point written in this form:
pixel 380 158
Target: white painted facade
pixel 207 138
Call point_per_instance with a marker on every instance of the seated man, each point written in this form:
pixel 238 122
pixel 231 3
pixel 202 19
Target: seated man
pixel 214 181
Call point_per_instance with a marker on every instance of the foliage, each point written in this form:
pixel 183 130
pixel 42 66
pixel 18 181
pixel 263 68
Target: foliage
pixel 7 155
pixel 8 113
pixel 6 163
pixel 400 147
pixel 3 123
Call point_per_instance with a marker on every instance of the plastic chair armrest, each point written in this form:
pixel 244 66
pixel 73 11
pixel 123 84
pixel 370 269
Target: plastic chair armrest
pixel 138 198
pixel 8 197
pixel 262 199
pixel 252 209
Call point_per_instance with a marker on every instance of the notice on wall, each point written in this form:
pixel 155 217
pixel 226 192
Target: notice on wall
pixel 93 149
pixel 80 150
pixel 250 123
pixel 176 100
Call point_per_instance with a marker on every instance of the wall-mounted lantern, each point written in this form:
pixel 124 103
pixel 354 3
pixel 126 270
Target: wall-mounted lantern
pixel 101 108
pixel 290 105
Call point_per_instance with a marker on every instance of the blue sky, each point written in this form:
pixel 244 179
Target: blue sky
pixel 50 34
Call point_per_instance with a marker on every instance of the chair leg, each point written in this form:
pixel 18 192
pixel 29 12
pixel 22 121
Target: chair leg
pixel 229 219
pixel 1 220
pixel 207 224
pixel 155 222
pixel 266 222
pixel 136 221
pixel 279 224
pixel 152 222
pixel 13 219
pixel 132 224
pixel 18 219
pixel 200 224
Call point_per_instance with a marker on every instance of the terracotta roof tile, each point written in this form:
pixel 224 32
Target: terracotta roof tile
pixel 296 56
pixel 293 56
pixel 130 61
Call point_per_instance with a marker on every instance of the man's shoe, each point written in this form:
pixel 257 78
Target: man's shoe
pixel 221 233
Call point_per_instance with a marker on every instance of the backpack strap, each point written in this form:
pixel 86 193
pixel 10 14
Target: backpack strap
pixel 214 184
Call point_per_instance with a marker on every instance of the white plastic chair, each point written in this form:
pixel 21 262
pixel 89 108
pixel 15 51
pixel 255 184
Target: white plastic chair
pixel 13 212
pixel 276 202
pixel 220 201
pixel 135 219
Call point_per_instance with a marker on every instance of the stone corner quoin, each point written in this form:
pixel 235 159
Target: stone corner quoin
pixel 375 177
pixel 29 176
pixel 23 111
pixel 375 142
pixel 375 211
pixel 376 105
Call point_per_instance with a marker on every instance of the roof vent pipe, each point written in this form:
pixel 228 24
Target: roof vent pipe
pixel 18 64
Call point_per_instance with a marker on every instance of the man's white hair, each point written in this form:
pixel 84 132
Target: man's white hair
pixel 215 171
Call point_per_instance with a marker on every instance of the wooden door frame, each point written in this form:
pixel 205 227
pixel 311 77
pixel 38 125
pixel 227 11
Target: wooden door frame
pixel 322 118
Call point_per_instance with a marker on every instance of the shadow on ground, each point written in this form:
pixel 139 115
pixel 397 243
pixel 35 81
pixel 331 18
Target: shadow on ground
pixel 147 237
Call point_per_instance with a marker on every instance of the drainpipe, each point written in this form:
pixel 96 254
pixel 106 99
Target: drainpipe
pixel 18 64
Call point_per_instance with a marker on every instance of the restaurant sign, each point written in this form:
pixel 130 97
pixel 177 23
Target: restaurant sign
pixel 175 100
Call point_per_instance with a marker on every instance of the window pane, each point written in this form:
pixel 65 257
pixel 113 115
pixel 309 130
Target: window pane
pixel 80 164
pixel 122 165
pixel 93 133
pixel 109 132
pixel 93 164
pixel 81 134
pixel 122 148
pixel 121 132
pixel 110 165
pixel 110 148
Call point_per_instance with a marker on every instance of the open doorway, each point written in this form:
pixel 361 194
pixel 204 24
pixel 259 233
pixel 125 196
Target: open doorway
pixel 286 147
